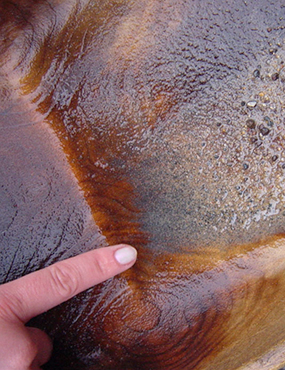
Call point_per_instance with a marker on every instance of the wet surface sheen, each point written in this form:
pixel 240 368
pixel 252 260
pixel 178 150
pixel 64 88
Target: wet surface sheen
pixel 171 116
pixel 152 96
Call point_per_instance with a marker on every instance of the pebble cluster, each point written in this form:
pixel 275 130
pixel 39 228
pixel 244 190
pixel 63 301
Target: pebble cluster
pixel 224 174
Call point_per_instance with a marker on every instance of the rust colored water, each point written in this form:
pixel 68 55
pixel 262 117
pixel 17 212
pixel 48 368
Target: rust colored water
pixel 171 116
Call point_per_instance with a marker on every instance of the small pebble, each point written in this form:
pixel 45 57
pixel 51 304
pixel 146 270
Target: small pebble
pixel 274 158
pixel 264 130
pixel 245 166
pixel 242 103
pixel 256 73
pixel 250 123
pixel 283 166
pixel 253 140
pixel 268 121
pixel 273 50
pixel 251 104
pixel 272 106
pixel 275 76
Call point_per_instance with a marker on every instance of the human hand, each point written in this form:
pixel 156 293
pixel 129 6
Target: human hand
pixel 25 348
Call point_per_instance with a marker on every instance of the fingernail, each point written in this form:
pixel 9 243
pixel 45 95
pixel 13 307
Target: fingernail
pixel 125 255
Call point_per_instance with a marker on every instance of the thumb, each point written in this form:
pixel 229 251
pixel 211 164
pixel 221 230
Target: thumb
pixel 44 346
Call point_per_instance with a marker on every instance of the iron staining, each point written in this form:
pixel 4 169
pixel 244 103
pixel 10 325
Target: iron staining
pixel 161 153
pixel 168 122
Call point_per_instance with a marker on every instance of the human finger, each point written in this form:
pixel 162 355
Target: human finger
pixel 43 344
pixel 23 348
pixel 40 291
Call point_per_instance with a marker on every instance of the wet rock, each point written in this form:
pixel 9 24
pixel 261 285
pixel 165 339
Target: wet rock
pixel 251 104
pixel 275 76
pixel 264 130
pixel 256 73
pixel 251 123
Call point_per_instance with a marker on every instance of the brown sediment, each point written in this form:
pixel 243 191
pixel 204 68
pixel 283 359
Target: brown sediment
pixel 142 112
pixel 179 312
pixel 163 123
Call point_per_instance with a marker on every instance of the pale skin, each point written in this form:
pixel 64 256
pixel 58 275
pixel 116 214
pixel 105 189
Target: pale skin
pixel 25 348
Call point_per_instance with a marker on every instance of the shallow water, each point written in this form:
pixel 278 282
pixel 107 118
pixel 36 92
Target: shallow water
pixel 183 104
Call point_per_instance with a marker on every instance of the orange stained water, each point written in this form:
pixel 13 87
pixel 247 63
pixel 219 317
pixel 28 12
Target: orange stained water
pixel 172 117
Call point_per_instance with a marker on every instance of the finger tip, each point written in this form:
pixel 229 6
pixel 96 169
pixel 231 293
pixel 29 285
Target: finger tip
pixel 125 254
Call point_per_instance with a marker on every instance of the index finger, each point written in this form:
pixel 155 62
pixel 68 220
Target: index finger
pixel 40 291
